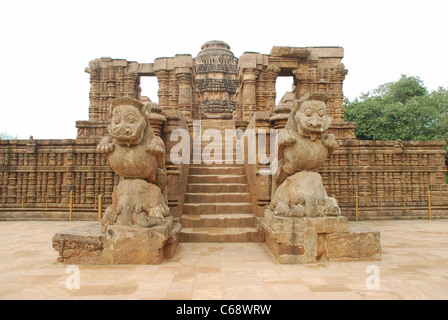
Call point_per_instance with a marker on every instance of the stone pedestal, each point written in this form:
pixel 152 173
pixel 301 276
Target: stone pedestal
pixel 310 240
pixel 88 245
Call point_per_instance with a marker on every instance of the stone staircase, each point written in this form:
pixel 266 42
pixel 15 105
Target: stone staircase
pixel 217 205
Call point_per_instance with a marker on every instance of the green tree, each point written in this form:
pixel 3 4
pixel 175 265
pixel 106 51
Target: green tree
pixel 400 110
pixel 404 89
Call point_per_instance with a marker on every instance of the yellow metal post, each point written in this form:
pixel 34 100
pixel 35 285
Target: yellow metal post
pixel 71 205
pixel 100 207
pixel 429 204
pixel 356 206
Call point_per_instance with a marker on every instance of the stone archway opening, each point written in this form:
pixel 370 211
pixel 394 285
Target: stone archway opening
pixel 284 87
pixel 149 88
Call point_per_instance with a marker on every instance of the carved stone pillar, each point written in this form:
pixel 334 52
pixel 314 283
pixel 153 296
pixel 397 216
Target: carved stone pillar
pixel 94 95
pixel 302 81
pixel 12 188
pixel 156 118
pixel 90 179
pixel 263 178
pixel 271 74
pixel 68 184
pixel 185 94
pixel 163 93
pixel 131 85
pixel 173 92
pixel 239 103
pixel 175 77
pixel 249 92
pixel 326 78
pixel 51 190
pixel 109 79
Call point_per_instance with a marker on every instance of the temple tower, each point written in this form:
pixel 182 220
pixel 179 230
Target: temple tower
pixel 216 80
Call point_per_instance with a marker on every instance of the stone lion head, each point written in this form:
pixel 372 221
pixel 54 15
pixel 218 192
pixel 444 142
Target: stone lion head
pixel 309 114
pixel 129 121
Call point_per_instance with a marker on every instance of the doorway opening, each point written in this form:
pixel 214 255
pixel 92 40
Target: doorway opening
pixel 284 86
pixel 149 88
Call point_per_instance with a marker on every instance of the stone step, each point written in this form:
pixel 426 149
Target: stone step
pixel 218 220
pixel 217 187
pixel 214 145
pixel 217 208
pixel 221 235
pixel 230 136
pixel 224 139
pixel 218 116
pixel 216 170
pixel 217 204
pixel 220 159
pixel 207 178
pixel 220 129
pixel 222 165
pixel 218 108
pixel 224 147
pixel 216 197
pixel 218 123
pixel 223 143
pixel 211 152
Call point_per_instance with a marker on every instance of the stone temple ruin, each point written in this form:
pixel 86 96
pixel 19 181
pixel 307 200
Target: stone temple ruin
pixel 227 201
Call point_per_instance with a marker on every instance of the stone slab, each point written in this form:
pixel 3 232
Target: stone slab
pixel 80 245
pixel 283 227
pixel 301 251
pixel 88 245
pixel 354 245
pixel 309 240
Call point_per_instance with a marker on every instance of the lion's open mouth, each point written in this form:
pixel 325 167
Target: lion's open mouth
pixel 127 136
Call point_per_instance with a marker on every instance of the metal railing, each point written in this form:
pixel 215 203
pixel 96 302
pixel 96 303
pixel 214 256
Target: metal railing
pixel 432 197
pixel 61 203
pixel 100 206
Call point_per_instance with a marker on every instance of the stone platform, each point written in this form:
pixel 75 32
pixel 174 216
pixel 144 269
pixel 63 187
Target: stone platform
pixel 310 240
pixel 414 266
pixel 88 245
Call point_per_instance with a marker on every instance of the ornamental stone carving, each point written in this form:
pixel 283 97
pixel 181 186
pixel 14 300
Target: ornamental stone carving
pixel 303 224
pixel 303 148
pixel 137 228
pixel 138 155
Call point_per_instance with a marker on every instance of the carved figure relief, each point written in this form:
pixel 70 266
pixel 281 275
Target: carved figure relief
pixel 138 155
pixel 303 148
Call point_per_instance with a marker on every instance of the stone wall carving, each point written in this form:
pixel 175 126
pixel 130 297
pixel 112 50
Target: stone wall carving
pixel 137 225
pixel 138 155
pixel 216 80
pixel 297 190
pixel 302 220
pixel 43 173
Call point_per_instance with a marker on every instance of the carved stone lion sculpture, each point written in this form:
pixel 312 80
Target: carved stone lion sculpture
pixel 138 155
pixel 303 148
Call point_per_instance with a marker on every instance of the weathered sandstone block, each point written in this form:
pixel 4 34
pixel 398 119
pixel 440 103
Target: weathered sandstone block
pixel 355 245
pixel 137 227
pixel 309 240
pixel 87 244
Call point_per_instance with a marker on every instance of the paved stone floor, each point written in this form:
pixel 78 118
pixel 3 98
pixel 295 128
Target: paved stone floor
pixel 414 265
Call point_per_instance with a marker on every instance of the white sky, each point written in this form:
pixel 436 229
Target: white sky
pixel 45 45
